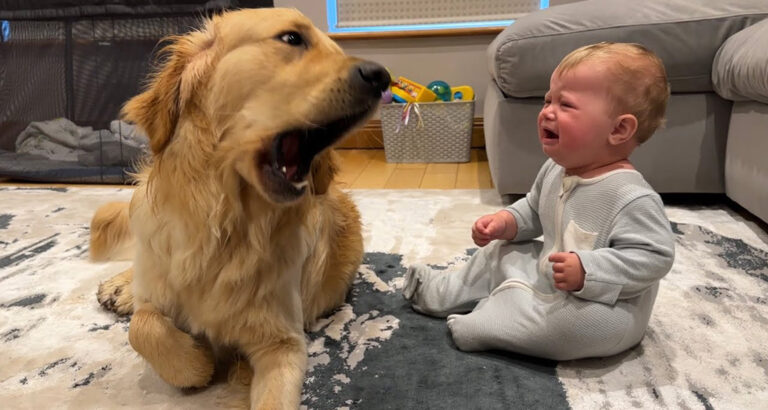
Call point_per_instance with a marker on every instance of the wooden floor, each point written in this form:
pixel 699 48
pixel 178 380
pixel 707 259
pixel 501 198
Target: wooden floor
pixel 369 169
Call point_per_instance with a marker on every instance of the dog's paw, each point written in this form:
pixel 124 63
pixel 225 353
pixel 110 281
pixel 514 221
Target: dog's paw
pixel 116 295
pixel 189 367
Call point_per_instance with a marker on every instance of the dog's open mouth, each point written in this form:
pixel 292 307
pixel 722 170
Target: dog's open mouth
pixel 286 163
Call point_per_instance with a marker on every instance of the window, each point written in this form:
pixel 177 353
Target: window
pixel 360 16
pixel 5 30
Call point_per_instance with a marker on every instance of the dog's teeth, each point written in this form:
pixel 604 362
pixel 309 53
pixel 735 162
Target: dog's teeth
pixel 284 169
pixel 301 184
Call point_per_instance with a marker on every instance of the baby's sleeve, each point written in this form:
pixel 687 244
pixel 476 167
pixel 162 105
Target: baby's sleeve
pixel 641 251
pixel 526 209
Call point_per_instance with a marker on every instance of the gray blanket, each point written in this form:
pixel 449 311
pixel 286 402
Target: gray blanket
pixel 62 140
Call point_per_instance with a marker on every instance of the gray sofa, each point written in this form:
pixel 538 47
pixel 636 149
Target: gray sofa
pixel 716 55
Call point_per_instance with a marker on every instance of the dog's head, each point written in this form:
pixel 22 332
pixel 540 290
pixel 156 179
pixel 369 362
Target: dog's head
pixel 260 94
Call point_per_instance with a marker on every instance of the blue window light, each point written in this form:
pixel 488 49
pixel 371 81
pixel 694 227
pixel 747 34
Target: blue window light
pixel 5 30
pixel 333 23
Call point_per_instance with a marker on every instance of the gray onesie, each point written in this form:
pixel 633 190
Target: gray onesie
pixel 615 222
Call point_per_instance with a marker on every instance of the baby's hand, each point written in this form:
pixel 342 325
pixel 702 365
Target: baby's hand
pixel 568 272
pixel 488 228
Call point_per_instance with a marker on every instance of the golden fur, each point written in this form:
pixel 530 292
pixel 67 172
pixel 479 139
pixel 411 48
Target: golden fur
pixel 230 251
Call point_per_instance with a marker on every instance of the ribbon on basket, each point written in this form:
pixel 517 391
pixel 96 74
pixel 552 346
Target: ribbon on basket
pixel 406 115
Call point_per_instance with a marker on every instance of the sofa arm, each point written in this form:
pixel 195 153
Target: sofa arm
pixel 740 69
pixel 686 35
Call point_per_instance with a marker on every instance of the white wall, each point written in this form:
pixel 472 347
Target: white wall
pixel 457 60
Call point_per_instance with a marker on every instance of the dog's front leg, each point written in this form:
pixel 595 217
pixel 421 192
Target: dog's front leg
pixel 278 373
pixel 175 355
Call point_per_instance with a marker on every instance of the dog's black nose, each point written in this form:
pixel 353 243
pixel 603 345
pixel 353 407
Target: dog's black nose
pixel 369 75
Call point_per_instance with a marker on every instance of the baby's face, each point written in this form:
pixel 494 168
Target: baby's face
pixel 576 121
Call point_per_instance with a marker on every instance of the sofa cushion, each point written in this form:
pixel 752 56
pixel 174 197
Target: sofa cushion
pixel 740 69
pixel 686 34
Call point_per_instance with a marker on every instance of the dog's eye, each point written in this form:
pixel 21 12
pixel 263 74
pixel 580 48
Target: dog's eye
pixel 293 38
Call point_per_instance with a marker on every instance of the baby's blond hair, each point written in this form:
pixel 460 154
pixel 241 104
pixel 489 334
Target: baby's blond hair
pixel 638 81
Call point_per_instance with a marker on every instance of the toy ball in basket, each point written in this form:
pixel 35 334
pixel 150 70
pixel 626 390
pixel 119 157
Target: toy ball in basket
pixel 431 123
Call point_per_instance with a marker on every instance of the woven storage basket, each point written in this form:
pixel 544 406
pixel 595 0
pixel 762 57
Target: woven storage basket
pixel 446 134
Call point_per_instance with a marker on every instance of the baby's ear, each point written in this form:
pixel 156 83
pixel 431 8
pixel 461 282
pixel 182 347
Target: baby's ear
pixel 624 129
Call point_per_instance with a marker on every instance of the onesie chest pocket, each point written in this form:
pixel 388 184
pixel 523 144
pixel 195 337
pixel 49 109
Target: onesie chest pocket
pixel 577 239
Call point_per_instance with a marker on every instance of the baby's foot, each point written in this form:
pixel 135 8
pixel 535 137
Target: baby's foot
pixel 414 278
pixel 411 281
pixel 466 333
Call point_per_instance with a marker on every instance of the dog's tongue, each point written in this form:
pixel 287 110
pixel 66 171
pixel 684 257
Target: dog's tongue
pixel 290 151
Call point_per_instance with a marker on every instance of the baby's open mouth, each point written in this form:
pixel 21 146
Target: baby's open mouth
pixel 550 135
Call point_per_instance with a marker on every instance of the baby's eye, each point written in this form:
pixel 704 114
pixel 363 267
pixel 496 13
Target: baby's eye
pixel 566 104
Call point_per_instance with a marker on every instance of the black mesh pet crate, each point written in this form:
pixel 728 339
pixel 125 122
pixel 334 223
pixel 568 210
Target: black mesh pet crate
pixel 67 67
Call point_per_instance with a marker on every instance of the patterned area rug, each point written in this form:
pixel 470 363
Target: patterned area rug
pixel 707 345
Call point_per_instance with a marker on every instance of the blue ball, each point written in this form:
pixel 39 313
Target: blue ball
pixel 441 89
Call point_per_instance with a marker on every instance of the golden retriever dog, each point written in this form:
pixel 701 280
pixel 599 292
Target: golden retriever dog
pixel 239 238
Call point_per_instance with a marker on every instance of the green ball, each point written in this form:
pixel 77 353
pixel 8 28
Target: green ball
pixel 441 89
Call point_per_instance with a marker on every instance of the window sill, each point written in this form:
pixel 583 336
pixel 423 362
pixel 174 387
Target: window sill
pixel 479 31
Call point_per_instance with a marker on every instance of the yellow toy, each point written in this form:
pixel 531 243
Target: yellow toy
pixel 462 93
pixel 405 90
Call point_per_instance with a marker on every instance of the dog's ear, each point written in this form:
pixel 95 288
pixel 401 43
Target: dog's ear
pixel 324 168
pixel 186 60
